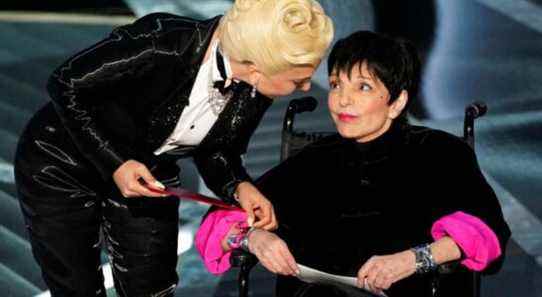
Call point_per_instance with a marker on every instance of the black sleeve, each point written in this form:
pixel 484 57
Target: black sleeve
pixel 80 85
pixel 277 184
pixel 221 171
pixel 461 186
pixel 218 157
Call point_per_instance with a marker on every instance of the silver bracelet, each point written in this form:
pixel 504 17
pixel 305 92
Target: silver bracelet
pixel 244 241
pixel 425 262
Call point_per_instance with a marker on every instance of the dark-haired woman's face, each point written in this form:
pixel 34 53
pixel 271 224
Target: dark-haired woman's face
pixel 359 104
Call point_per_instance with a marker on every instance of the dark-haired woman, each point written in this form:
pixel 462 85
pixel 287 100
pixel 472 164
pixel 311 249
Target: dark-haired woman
pixel 383 201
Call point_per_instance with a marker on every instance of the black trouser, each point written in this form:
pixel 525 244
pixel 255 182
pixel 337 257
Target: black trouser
pixel 68 209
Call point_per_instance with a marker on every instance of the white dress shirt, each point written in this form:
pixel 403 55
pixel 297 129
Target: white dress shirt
pixel 197 117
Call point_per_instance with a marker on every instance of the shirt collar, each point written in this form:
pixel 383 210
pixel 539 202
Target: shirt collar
pixel 217 54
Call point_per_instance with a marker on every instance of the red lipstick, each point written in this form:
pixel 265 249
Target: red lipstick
pixel 345 117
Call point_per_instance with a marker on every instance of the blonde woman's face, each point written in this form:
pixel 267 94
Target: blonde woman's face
pixel 286 82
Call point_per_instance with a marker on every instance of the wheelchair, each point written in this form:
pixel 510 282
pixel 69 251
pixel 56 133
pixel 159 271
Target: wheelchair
pixel 447 277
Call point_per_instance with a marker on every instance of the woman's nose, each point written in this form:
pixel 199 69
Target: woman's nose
pixel 306 86
pixel 344 98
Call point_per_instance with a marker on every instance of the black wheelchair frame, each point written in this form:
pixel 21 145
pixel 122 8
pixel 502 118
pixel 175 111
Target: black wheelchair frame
pixel 293 141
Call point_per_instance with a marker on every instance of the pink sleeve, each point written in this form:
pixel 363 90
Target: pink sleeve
pixel 478 242
pixel 209 235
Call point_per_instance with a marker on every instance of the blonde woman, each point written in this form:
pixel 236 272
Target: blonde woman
pixel 124 110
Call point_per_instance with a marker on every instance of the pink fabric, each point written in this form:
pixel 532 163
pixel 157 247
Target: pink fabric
pixel 211 232
pixel 477 241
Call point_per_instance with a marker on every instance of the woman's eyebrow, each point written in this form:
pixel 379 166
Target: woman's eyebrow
pixel 364 77
pixel 303 79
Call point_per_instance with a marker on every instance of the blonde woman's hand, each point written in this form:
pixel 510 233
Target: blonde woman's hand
pixel 127 178
pixel 272 252
pixel 380 272
pixel 256 206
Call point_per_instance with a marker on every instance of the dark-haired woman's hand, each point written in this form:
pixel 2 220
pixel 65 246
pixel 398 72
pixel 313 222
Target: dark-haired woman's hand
pixel 128 176
pixel 272 252
pixel 380 272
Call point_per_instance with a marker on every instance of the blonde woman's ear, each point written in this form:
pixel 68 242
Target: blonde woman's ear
pixel 254 75
pixel 398 105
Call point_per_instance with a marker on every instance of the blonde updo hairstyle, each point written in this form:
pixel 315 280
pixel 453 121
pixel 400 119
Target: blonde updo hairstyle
pixel 276 35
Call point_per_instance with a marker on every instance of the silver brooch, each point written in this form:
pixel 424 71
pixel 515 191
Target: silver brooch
pixel 217 101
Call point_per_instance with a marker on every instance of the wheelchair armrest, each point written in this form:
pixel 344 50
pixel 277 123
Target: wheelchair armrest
pixel 294 141
pixel 472 112
pixel 241 258
pixel 295 106
pixel 450 267
pixel 245 261
pixel 450 275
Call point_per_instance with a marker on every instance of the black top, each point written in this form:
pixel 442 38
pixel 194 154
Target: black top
pixel 340 202
pixel 122 97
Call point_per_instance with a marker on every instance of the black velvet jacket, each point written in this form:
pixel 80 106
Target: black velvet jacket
pixel 339 202
pixel 121 98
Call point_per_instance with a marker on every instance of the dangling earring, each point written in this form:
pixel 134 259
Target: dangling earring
pixel 254 89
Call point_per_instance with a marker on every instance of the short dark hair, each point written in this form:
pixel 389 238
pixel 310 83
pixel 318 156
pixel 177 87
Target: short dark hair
pixel 394 61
